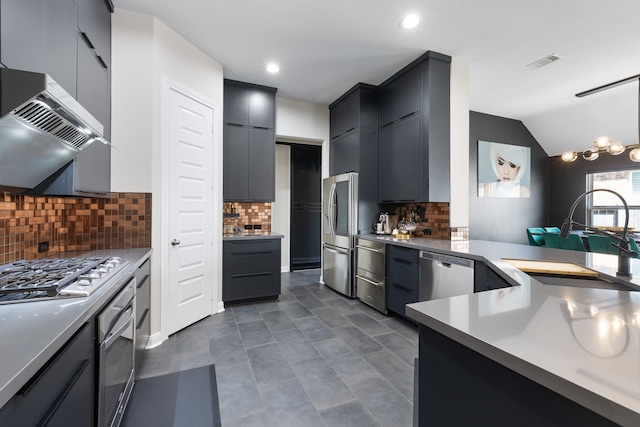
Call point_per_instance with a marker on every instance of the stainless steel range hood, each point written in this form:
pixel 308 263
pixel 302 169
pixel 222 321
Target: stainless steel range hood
pixel 42 128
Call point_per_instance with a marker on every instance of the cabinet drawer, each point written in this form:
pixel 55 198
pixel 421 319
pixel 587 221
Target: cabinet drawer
pixel 249 286
pixel 43 392
pixel 399 295
pixel 403 254
pixel 370 256
pixel 251 247
pixel 370 290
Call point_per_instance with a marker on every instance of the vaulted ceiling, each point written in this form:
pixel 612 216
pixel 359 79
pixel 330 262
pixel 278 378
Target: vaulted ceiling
pixel 325 47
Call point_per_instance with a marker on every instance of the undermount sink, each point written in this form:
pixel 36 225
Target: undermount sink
pixel 566 274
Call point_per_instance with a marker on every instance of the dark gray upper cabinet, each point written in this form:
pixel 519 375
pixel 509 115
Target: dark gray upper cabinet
pixel 248 142
pixel 414 146
pixel 354 145
pixel 249 105
pixel 89 30
pixel 400 98
pixel 40 36
pixel 94 24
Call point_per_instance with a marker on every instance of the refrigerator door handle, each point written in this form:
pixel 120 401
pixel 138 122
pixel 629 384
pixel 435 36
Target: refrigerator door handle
pixel 331 209
pixel 336 251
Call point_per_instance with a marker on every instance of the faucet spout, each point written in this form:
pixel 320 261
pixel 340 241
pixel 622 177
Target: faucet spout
pixel 624 253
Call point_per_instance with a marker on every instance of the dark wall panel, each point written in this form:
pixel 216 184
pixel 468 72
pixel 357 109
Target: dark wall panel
pixel 569 181
pixel 504 219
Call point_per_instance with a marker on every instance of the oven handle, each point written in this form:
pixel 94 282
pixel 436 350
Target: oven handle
pixel 115 335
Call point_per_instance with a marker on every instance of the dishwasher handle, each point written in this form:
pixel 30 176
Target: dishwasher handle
pixel 446 261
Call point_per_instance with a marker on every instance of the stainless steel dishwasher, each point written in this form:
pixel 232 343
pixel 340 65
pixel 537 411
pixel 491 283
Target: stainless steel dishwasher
pixel 443 276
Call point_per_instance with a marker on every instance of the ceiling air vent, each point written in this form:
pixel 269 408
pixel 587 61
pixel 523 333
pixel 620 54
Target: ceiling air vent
pixel 544 61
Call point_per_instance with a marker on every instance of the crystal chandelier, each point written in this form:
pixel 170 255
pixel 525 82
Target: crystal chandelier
pixel 604 143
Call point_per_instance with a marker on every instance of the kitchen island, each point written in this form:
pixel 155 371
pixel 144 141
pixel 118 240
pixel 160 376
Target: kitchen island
pixel 529 354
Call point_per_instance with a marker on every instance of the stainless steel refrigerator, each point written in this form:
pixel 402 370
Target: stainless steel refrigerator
pixel 339 227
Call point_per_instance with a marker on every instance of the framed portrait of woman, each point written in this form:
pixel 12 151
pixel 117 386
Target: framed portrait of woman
pixel 504 170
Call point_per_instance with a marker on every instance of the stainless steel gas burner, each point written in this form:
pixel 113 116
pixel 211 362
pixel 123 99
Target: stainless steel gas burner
pixel 50 278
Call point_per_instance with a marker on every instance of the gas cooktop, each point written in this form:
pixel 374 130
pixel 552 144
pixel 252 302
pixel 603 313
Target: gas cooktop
pixel 49 278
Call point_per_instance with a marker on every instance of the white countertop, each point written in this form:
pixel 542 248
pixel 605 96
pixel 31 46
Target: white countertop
pixel 32 332
pixel 594 361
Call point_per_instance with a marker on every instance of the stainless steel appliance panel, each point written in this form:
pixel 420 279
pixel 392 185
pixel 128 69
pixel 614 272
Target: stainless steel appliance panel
pixel 370 256
pixel 337 269
pixel 116 330
pixel 340 209
pixel 370 289
pixel 443 276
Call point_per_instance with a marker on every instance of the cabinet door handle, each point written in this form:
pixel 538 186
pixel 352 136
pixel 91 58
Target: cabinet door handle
pixel 101 61
pixel 144 315
pixel 87 40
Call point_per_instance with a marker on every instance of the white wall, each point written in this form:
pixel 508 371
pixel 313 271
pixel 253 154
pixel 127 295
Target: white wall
pixel 459 205
pixel 144 51
pixel 281 208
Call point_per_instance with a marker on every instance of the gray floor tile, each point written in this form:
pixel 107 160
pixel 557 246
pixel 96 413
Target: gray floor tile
pixel 277 321
pixel 399 346
pixel 403 329
pixel 335 349
pixel 290 335
pixel 255 333
pixel 314 329
pixel 222 328
pixel 295 309
pixel 394 370
pixel 245 313
pixel 330 317
pixel 256 420
pixel 237 392
pixel 368 324
pixel 266 306
pixel 351 367
pixel 388 406
pixel 352 414
pixel 227 350
pixel 298 290
pixel 298 350
pixel 323 385
pixel 269 364
pixel 310 301
pixel 342 306
pixel 360 342
pixel 224 317
pixel 289 406
pixel 371 311
pixel 321 291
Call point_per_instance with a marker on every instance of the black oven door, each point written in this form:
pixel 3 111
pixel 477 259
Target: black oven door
pixel 117 364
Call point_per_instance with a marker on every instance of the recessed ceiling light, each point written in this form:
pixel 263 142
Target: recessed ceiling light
pixel 273 68
pixel 410 21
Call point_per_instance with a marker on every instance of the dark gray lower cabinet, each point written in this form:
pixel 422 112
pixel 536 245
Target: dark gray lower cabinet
pixel 251 269
pixel 62 393
pixel 143 304
pixel 403 274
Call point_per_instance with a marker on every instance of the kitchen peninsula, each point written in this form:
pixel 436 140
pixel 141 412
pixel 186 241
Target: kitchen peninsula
pixel 538 354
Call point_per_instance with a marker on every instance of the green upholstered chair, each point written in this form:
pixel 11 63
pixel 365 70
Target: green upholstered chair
pixel 573 242
pixel 601 244
pixel 552 229
pixel 536 236
pixel 634 246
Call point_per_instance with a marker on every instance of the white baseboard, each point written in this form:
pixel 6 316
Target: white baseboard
pixel 220 307
pixel 154 340
pixel 284 269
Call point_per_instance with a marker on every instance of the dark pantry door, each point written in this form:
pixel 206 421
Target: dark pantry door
pixel 306 209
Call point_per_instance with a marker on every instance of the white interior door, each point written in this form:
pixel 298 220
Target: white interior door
pixel 190 212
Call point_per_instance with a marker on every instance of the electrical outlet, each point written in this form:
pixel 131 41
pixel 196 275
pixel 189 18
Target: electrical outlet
pixel 257 226
pixel 248 227
pixel 43 247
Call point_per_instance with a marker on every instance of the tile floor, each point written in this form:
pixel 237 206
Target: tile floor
pixel 312 358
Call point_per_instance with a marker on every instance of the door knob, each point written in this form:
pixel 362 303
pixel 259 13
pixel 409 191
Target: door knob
pixel 175 242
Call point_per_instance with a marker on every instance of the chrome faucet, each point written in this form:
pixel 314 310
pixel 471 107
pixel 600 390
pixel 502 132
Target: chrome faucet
pixel 624 253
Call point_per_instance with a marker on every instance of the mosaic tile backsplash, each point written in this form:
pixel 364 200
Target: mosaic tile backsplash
pixel 432 220
pixel 249 213
pixel 72 224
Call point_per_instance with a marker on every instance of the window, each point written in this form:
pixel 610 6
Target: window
pixel 605 209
